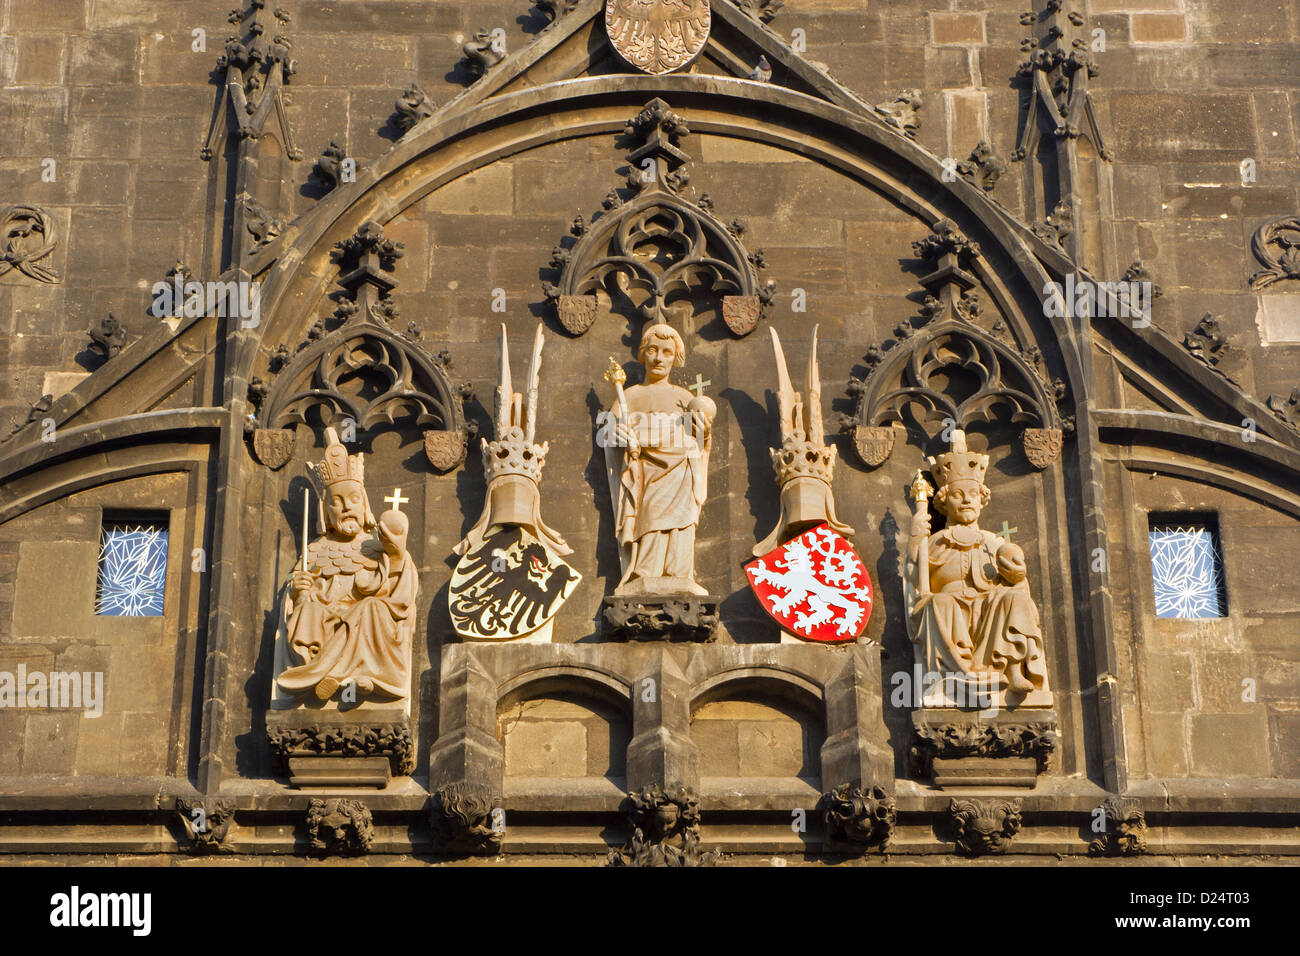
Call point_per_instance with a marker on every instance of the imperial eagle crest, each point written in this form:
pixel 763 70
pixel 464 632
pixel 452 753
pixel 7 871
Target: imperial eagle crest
pixel 508 587
pixel 658 36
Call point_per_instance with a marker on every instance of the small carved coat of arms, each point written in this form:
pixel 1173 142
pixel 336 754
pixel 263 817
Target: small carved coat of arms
pixel 658 36
pixel 508 587
pixel 815 586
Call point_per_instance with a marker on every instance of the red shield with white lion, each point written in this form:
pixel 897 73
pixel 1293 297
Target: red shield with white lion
pixel 815 586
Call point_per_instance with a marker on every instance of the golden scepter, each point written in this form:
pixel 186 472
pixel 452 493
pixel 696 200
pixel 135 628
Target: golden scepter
pixel 616 377
pixel 921 492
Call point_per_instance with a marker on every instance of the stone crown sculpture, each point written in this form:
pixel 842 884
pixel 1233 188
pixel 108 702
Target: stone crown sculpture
pixel 959 463
pixel 513 461
pixel 804 464
pixel 337 465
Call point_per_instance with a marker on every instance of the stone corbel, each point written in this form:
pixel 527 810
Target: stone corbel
pixel 664 822
pixel 208 828
pixel 466 818
pixel 1125 828
pixel 339 827
pixel 858 819
pixel 984 827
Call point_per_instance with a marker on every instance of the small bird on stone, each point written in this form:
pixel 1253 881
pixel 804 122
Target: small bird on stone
pixel 763 72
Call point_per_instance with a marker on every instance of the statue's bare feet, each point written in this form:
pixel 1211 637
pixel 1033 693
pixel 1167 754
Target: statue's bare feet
pixel 326 688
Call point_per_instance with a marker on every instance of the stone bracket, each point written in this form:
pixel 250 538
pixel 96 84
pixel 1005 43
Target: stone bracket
pixel 653 617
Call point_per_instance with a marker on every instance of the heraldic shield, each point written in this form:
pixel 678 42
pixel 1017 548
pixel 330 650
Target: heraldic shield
pixel 658 36
pixel 510 586
pixel 815 585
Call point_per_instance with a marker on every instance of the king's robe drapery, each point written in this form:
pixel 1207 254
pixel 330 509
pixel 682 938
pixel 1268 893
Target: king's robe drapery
pixel 974 625
pixel 659 493
pixel 357 621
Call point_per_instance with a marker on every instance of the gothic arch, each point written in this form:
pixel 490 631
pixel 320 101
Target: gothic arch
pixel 458 142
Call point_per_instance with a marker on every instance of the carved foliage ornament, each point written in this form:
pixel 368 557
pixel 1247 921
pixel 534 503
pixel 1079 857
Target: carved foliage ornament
pixel 1276 245
pixel 1037 740
pixel 658 36
pixel 657 248
pixel 345 740
pixel 1004 383
pixel 27 235
pixel 400 377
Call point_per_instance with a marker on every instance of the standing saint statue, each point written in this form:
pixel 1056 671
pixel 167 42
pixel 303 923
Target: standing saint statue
pixel 658 459
pixel 350 606
pixel 970 613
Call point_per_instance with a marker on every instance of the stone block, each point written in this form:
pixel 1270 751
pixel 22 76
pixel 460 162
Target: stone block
pixel 1192 127
pixel 45 15
pixel 1219 678
pixel 957 28
pixel 103 60
pixel 1159 27
pixel 485 192
pixel 40 60
pixel 1286 745
pixel 1166 745
pixel 1168 684
pixel 56 589
pixel 1230 745
pixel 305 772
pixel 774 748
pixel 546 748
pixel 950 774
pixel 99 745
pixel 50 742
pixel 1278 318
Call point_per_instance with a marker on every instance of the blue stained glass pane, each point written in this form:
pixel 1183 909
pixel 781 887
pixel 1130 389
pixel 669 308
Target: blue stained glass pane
pixel 132 570
pixel 1188 572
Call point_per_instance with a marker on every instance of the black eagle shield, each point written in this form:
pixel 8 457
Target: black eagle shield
pixel 509 586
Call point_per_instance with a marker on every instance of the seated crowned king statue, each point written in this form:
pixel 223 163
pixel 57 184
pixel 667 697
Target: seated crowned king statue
pixel 349 617
pixel 970 613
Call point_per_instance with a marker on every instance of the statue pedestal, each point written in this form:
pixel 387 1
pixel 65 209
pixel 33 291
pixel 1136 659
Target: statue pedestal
pixel 661 617
pixel 965 748
pixel 365 747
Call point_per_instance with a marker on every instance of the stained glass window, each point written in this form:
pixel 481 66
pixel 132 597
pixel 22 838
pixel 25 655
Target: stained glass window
pixel 1187 569
pixel 132 569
